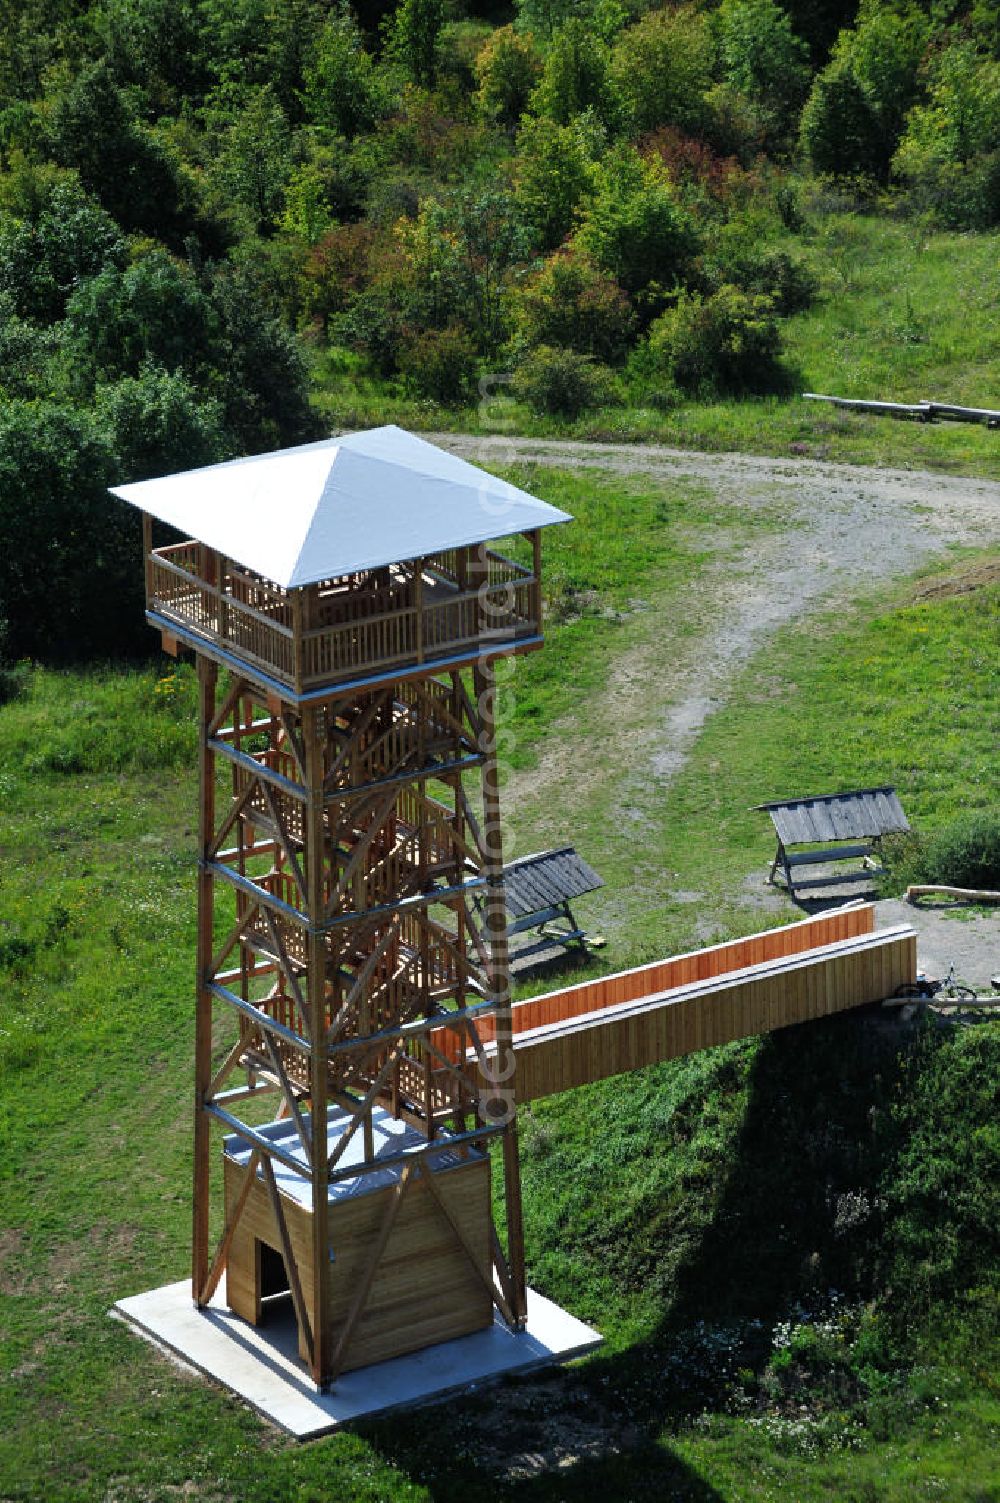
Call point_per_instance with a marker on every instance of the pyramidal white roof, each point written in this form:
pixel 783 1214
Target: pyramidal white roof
pixel 326 509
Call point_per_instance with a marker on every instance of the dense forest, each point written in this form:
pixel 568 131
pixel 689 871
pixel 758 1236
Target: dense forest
pixel 200 199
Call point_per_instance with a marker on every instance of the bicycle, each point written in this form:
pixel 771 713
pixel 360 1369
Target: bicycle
pixel 945 990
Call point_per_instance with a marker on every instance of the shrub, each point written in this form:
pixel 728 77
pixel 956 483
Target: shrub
pixel 964 853
pixel 662 67
pixel 507 70
pixel 561 383
pixel 571 302
pixel 741 257
pixel 441 364
pixel 577 77
pixel 634 227
pixel 728 342
pixel 554 175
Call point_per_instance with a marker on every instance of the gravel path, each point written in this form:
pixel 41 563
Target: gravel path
pixel 844 529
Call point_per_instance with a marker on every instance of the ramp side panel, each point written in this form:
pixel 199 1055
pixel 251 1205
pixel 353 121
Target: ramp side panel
pixel 712 1013
pixel 683 970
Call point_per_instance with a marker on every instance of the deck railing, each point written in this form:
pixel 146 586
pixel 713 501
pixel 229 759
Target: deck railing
pixel 417 618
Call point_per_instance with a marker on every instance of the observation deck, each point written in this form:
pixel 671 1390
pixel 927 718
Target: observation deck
pixel 406 617
pixel 347 562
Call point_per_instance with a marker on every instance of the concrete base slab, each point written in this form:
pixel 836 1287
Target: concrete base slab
pixel 260 1363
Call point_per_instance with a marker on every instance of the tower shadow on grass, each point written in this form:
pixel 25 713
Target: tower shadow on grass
pixel 817 1135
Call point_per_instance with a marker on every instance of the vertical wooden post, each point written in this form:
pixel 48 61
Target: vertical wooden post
pixel 536 569
pixel 418 605
pixel 298 641
pixel 147 554
pixel 207 679
pixel 498 981
pixel 313 730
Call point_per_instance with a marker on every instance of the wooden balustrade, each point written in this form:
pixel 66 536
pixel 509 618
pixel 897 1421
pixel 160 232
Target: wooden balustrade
pixel 418 618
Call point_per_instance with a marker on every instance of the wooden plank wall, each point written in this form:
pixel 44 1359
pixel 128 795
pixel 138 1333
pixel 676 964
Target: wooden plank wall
pixel 681 970
pixel 425 1289
pixel 702 1013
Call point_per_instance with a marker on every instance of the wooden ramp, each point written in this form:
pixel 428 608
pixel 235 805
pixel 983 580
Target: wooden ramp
pixel 588 1032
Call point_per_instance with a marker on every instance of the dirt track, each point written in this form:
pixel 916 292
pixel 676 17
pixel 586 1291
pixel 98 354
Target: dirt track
pixel 840 530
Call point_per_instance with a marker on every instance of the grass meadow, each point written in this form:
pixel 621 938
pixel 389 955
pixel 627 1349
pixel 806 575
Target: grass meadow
pixel 789 1244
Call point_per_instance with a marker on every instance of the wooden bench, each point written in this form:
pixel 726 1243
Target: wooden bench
pixel 836 827
pixel 538 890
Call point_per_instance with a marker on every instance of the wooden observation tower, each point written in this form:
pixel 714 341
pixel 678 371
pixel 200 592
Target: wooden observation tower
pixel 346 615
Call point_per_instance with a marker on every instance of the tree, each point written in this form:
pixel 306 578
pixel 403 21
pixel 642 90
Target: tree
pixel 854 116
pixel 507 70
pixel 414 38
pixel 662 68
pixel 28 354
pixel 554 173
pixel 254 161
pixel 343 89
pixel 90 125
pixel 154 312
pixel 460 253
pixel 157 46
pixel 763 59
pixel 635 228
pixel 839 130
pixel 950 152
pixel 158 423
pixel 259 370
pixel 577 78
pixel 571 303
pixel 71 564
pixel 62 238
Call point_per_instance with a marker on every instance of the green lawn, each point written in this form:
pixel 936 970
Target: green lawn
pixel 690 1210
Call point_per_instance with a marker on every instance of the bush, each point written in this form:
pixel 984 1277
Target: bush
pixel 507 69
pixel 741 256
pixel 965 853
pixel 635 228
pixel 562 383
pixel 728 342
pixel 662 67
pixel 572 303
pixel 441 364
pixel 71 564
